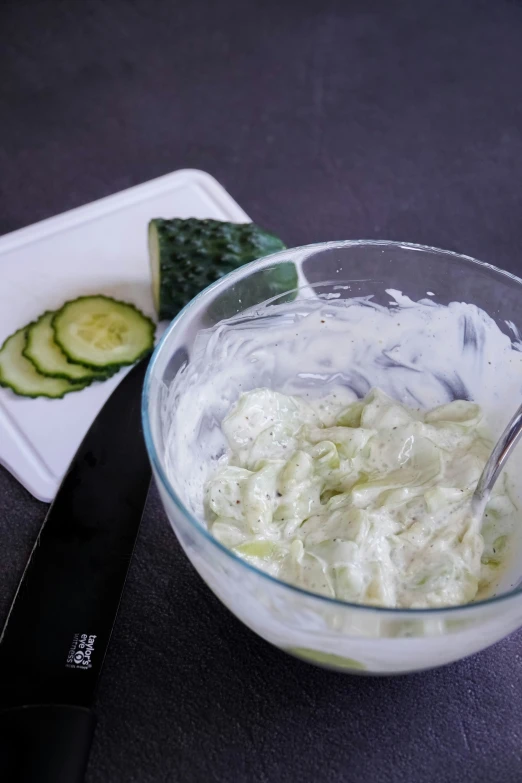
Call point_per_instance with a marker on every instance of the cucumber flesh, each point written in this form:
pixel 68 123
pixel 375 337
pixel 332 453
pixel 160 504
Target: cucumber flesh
pixel 20 375
pixel 102 333
pixel 155 262
pixel 49 359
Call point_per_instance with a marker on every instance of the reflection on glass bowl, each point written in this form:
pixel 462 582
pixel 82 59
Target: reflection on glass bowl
pixel 198 371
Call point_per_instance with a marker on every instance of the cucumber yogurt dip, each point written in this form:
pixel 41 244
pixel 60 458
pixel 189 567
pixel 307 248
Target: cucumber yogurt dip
pixel 335 444
pixel 369 503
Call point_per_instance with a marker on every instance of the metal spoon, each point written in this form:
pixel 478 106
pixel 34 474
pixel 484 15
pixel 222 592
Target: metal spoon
pixel 495 464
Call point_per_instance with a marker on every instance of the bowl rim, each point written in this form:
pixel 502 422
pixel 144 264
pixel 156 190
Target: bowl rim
pixel 198 525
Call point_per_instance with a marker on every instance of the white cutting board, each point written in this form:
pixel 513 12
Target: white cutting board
pixel 98 248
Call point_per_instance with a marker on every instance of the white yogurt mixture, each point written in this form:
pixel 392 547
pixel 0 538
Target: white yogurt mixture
pixel 355 508
pixel 369 503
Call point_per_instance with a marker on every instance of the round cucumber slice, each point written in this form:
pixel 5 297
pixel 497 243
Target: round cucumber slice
pixel 20 375
pixel 102 333
pixel 49 359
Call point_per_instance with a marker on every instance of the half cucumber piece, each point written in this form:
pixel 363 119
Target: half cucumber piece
pixel 49 359
pixel 20 375
pixel 187 255
pixel 101 333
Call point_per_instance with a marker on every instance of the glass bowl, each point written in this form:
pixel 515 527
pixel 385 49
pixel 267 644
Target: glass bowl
pixel 323 630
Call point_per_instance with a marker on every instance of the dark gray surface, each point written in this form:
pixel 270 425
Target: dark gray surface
pixel 325 120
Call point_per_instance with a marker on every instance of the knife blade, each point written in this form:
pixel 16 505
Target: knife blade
pixel 59 625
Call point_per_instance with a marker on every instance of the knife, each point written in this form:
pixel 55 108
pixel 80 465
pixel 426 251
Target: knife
pixel 60 622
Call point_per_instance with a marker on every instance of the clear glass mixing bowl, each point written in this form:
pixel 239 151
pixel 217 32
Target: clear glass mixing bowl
pixel 329 632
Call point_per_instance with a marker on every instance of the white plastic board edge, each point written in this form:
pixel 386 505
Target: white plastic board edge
pixel 124 198
pixel 18 455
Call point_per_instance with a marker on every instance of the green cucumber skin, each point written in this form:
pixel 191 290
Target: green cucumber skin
pixel 110 367
pixel 195 253
pixel 77 387
pixel 86 381
pixel 6 385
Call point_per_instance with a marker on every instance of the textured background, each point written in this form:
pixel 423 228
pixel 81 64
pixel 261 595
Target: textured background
pixel 325 120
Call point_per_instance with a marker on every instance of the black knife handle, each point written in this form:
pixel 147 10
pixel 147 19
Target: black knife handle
pixel 45 743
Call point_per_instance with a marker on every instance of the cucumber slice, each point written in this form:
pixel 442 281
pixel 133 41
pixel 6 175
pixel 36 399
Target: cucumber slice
pixel 20 375
pixel 49 359
pixel 102 333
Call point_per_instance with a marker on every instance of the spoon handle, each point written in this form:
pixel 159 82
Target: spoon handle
pixel 497 459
